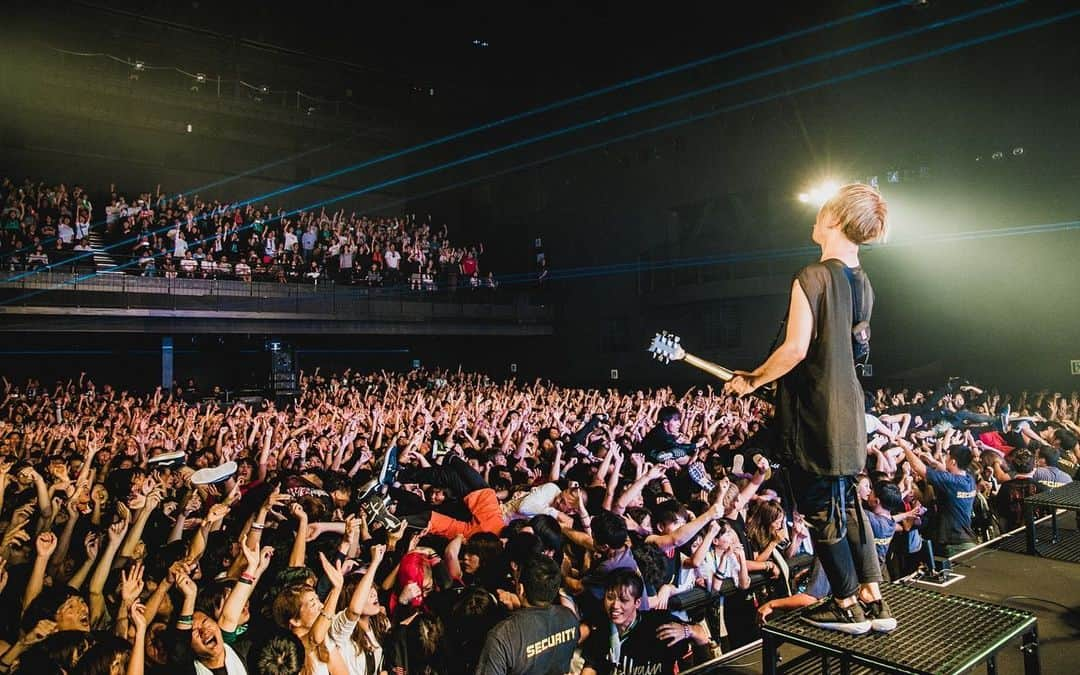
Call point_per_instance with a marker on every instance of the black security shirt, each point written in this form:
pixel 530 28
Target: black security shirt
pixel 532 641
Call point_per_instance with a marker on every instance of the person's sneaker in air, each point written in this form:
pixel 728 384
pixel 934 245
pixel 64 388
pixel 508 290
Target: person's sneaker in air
pixel 167 460
pixel 438 449
pixel 367 489
pixel 375 509
pixel 831 616
pixel 389 468
pixel 700 476
pixel 881 619
pixel 214 474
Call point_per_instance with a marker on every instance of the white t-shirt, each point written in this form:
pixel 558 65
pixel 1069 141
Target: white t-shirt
pixel 393 259
pixel 340 636
pixel 532 503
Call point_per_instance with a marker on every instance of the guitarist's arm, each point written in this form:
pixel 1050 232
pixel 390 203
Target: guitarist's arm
pixel 800 324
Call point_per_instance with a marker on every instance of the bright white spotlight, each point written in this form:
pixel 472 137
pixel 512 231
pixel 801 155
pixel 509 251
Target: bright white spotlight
pixel 819 194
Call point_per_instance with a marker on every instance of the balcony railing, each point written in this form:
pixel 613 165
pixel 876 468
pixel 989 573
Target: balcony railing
pixel 293 300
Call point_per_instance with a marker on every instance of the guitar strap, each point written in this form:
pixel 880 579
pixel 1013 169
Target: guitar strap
pixel 860 329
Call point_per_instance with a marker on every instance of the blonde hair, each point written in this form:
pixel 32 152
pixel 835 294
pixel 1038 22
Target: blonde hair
pixel 862 212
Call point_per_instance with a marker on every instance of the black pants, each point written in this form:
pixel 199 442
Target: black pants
pixel 455 474
pixel 839 529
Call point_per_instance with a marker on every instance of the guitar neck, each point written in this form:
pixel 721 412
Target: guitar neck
pixel 709 367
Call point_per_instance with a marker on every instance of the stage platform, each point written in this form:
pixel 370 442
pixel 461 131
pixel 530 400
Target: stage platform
pixel 938 633
pixel 999 573
pixel 1056 544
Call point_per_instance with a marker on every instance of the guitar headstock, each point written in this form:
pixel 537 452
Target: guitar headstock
pixel 665 347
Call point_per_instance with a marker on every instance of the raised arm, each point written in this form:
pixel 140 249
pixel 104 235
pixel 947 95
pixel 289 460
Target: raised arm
pixel 257 562
pixel 44 546
pixel 631 493
pixel 917 465
pixel 363 589
pixel 686 531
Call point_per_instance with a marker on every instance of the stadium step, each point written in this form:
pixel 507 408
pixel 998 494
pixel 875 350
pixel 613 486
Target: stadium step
pixel 104 261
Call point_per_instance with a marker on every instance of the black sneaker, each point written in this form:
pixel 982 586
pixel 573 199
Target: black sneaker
pixel 388 470
pixel 375 509
pixel 831 616
pixel 881 619
pixel 368 489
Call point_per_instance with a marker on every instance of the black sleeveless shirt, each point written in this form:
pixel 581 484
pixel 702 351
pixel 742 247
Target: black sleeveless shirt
pixel 819 406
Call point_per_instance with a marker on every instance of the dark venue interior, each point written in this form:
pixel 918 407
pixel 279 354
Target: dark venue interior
pixel 535 337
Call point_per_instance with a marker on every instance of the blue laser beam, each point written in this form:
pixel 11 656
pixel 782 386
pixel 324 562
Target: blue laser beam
pixel 529 113
pixel 862 72
pixel 844 51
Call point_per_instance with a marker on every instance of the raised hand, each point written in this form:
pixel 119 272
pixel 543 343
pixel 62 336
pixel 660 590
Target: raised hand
pixel 45 544
pixel 186 585
pixel 395 536
pixel 265 556
pixel 131 583
pixel 334 571
pixel 275 498
pixel 217 513
pixel 252 555
pixel 411 592
pixel 41 630
pixel 91 543
pixel 117 531
pixel 137 612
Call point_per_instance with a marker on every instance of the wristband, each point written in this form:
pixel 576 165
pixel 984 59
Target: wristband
pixel 258 526
pixel 186 618
pixel 686 632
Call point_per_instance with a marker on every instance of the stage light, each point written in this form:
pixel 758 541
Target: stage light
pixel 1017 151
pixel 189 128
pixel 819 194
pixel 140 65
pixel 998 155
pixel 200 77
pixel 265 89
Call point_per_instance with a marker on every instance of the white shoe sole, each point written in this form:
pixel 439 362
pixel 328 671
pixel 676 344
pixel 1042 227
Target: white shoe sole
pixel 214 474
pixel 859 628
pixel 883 625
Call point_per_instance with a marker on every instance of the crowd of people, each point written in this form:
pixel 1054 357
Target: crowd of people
pixel 442 522
pixel 187 237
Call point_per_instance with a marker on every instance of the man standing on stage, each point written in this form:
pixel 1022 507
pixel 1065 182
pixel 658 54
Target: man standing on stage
pixel 819 410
